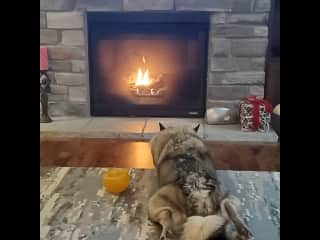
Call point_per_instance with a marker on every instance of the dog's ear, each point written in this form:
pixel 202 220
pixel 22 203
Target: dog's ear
pixel 161 126
pixel 196 128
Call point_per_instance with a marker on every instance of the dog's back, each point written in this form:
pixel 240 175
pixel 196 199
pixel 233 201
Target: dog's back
pixel 182 158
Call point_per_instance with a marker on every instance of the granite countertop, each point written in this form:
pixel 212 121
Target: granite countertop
pixel 73 204
pixel 145 128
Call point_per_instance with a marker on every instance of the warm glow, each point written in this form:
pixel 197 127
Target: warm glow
pixel 143 77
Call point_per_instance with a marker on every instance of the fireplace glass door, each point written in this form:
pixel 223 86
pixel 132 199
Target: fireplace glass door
pixel 147 65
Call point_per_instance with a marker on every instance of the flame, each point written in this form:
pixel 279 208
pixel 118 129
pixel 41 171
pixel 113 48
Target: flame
pixel 143 77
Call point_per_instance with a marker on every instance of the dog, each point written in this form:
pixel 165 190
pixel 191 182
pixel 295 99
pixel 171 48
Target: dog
pixel 190 204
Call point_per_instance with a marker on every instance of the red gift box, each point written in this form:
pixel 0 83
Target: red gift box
pixel 43 59
pixel 256 103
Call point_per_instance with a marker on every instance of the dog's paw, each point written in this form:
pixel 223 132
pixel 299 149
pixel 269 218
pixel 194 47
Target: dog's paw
pixel 163 237
pixel 244 234
pixel 166 235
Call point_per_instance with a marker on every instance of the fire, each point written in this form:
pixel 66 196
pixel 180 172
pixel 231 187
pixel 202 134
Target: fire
pixel 143 84
pixel 143 77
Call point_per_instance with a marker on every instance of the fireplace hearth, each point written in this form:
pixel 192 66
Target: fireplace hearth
pixel 148 64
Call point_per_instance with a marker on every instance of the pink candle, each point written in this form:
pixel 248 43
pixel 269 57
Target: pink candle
pixel 43 59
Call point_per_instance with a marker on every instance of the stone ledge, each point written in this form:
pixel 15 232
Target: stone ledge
pixel 66 53
pixel 145 128
pixel 57 5
pixel 65 20
pixel 239 6
pixel 204 5
pixel 49 36
pixel 142 5
pixel 43 20
pixel 240 78
pixel 99 5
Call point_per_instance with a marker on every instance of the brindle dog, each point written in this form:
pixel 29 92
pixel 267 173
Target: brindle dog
pixel 190 203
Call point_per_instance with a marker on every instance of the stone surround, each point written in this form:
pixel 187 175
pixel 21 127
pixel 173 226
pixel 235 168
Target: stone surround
pixel 144 128
pixel 237 47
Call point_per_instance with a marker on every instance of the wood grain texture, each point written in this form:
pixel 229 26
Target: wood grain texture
pixel 100 152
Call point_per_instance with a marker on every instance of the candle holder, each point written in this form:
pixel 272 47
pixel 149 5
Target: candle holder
pixel 116 180
pixel 44 90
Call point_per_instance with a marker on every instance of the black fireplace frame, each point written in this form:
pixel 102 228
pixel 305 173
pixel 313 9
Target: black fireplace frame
pixel 94 18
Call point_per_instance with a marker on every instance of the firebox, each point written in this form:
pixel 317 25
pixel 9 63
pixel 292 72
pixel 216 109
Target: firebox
pixel 148 64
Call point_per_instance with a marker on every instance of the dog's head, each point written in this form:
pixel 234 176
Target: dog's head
pixel 161 140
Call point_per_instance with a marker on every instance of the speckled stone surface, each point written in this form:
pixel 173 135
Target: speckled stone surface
pixel 146 128
pixel 73 204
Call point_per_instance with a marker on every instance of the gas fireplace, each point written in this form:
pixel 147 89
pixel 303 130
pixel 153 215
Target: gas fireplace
pixel 148 64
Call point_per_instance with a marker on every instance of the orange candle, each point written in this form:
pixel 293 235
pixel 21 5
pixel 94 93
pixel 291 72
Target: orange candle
pixel 116 180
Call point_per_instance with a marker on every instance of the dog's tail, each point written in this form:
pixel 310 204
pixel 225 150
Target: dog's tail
pixel 202 228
